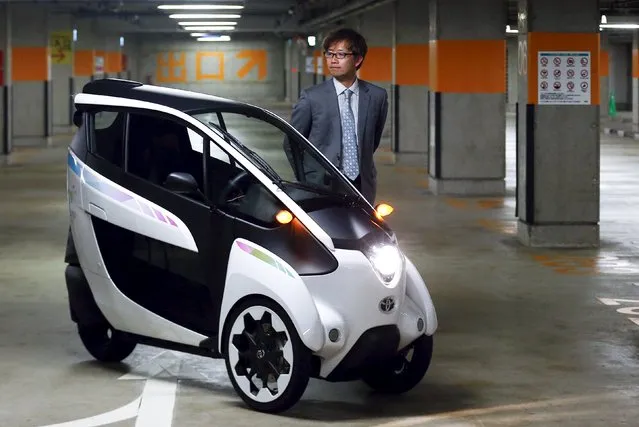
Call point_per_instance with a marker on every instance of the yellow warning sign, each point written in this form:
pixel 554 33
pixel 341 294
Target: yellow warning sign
pixel 61 47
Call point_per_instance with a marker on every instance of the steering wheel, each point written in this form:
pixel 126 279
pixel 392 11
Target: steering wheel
pixel 237 184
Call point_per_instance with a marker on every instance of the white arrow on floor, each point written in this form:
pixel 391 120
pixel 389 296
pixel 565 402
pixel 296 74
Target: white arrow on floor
pixel 155 405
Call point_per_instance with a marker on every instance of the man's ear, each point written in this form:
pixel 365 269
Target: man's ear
pixel 359 61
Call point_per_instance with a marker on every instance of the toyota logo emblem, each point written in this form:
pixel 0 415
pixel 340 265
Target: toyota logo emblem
pixel 387 304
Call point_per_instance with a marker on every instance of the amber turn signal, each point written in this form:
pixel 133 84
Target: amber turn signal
pixel 284 217
pixel 383 209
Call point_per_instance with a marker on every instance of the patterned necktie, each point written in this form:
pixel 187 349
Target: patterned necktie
pixel 350 164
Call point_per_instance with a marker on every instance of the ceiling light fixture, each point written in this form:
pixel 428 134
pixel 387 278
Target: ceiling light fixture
pixel 200 23
pixel 204 16
pixel 209 28
pixel 620 26
pixel 199 6
pixel 214 39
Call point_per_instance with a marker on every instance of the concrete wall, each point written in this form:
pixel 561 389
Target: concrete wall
pixel 219 68
pixel 511 55
pixel 621 74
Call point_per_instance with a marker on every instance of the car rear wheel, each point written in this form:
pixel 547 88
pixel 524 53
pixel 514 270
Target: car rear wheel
pixel 403 372
pixel 268 364
pixel 105 343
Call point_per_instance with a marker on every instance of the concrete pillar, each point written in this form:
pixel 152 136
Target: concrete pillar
pixel 604 73
pixel 131 58
pixel 467 103
pixel 635 79
pixel 376 25
pixel 307 69
pixel 111 51
pixel 5 81
pixel 31 74
pixel 288 61
pixel 84 48
pixel 410 89
pixel 558 123
pixel 61 54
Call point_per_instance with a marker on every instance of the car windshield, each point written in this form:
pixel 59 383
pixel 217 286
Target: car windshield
pixel 282 154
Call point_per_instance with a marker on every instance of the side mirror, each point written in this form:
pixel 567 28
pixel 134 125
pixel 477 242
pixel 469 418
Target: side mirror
pixel 182 183
pixel 77 118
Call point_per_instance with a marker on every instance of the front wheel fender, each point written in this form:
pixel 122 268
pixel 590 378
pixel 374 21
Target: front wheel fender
pixel 417 291
pixel 256 271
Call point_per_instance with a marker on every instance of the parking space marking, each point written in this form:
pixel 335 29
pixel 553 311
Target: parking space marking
pixel 587 265
pixel 499 225
pixel 476 204
pixel 628 311
pixel 522 411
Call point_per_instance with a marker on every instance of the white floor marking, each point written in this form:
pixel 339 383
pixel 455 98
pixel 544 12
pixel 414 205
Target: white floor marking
pixel 158 400
pixel 123 413
pixel 629 311
pixel 154 407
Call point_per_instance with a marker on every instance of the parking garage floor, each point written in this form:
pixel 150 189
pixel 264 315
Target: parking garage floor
pixel 527 337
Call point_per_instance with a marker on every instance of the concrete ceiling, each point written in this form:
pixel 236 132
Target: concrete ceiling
pixel 258 17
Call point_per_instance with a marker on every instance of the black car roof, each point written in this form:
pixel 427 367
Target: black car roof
pixel 179 99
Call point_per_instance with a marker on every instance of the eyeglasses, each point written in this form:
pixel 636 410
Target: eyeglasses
pixel 338 55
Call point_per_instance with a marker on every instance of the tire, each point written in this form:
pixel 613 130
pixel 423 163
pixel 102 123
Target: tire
pixel 105 343
pixel 400 374
pixel 248 348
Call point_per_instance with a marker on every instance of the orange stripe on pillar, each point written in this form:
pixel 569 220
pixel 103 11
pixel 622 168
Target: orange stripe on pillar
pixel 635 63
pixel 377 66
pixel 113 62
pixel 83 63
pixel 468 66
pixel 29 64
pixel 411 64
pixel 570 42
pixel 604 64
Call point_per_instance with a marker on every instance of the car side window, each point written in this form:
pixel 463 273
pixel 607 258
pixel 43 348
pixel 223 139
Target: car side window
pixel 158 146
pixel 108 135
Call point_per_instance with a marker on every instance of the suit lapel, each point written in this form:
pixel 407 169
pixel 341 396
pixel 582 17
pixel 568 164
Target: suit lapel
pixel 362 115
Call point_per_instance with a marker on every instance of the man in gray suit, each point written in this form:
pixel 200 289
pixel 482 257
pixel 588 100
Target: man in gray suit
pixel 344 116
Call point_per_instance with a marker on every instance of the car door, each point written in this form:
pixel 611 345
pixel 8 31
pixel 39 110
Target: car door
pixel 165 256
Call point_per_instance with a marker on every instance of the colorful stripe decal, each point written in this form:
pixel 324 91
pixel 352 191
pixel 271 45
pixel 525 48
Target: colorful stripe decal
pixel 105 187
pixel 263 257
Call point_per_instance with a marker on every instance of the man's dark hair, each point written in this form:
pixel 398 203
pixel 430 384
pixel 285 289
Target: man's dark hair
pixel 354 40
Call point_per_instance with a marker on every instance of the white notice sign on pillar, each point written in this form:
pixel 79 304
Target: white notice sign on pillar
pixel 564 78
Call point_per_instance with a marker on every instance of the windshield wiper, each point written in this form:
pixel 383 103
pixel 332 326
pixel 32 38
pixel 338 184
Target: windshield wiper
pixel 352 199
pixel 254 156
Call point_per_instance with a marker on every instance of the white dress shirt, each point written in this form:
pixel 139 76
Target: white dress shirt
pixel 341 96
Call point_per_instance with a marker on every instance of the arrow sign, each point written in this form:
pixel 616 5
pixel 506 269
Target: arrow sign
pixel 255 58
pixel 154 407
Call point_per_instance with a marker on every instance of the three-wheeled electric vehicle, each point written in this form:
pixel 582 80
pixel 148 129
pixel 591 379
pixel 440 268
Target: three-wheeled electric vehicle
pixel 213 227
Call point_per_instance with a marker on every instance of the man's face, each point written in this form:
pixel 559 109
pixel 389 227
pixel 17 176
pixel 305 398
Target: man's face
pixel 342 67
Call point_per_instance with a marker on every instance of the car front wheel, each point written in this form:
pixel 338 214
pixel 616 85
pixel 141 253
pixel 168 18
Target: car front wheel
pixel 267 362
pixel 403 372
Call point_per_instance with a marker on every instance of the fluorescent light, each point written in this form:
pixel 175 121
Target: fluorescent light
pixel 198 34
pixel 604 19
pixel 620 26
pixel 198 6
pixel 204 16
pixel 214 39
pixel 200 23
pixel 311 40
pixel 209 28
pixel 512 31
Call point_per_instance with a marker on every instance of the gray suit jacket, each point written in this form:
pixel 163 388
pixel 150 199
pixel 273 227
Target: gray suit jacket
pixel 316 116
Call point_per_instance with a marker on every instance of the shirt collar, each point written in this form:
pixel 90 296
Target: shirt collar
pixel 339 87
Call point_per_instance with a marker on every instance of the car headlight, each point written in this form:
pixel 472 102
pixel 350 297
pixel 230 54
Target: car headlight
pixel 386 261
